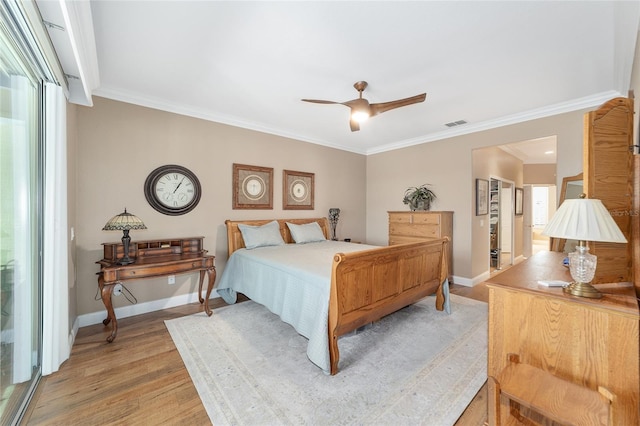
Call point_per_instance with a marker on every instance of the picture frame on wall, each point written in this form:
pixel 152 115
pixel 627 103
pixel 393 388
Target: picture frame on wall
pixel 519 201
pixel 482 197
pixel 297 190
pixel 252 187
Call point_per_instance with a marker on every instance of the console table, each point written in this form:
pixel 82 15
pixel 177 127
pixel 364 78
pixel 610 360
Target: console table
pixel 153 258
pixel 561 342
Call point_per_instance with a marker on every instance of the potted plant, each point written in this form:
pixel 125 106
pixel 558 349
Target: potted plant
pixel 419 197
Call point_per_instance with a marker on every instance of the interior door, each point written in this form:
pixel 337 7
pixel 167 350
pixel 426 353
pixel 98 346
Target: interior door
pixel 506 223
pixel 608 176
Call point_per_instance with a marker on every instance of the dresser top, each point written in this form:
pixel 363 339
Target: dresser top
pixel 547 265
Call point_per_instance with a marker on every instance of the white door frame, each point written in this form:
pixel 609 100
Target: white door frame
pixel 513 191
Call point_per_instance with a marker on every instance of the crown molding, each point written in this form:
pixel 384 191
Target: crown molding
pixel 560 108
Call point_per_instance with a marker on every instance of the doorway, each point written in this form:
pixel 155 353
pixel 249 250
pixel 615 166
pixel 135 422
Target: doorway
pixel 500 223
pixel 542 208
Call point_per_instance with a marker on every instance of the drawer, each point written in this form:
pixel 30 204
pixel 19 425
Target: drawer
pixel 426 230
pixel 150 270
pixel 415 218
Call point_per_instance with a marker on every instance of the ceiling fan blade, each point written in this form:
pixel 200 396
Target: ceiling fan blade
pixel 360 103
pixel 355 126
pixel 319 101
pixel 386 106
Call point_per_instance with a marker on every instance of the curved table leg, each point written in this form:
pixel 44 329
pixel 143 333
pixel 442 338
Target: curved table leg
pixel 202 272
pixel 212 278
pixel 106 290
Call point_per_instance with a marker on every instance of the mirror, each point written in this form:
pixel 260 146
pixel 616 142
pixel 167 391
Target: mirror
pixel 572 187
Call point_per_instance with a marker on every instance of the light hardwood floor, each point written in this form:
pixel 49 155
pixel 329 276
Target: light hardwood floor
pixel 140 379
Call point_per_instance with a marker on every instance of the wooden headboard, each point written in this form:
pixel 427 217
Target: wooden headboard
pixel 234 236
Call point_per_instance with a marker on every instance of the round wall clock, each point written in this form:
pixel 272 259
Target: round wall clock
pixel 172 190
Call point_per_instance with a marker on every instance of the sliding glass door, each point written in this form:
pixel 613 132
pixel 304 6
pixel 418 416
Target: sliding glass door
pixel 20 227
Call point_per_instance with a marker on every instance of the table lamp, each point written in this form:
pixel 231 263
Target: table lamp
pixel 583 219
pixel 124 222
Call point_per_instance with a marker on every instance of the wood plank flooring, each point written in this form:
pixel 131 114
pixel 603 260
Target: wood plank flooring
pixel 141 379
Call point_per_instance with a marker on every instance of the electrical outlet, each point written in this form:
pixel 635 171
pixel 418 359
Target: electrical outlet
pixel 171 279
pixel 117 289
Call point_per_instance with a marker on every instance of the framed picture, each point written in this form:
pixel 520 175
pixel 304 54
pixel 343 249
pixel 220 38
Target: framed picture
pixel 297 190
pixel 482 197
pixel 252 187
pixel 519 195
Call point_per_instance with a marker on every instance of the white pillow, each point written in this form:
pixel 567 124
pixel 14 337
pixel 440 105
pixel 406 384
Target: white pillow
pixel 261 236
pixel 307 233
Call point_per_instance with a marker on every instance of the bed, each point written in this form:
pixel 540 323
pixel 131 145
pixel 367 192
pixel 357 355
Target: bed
pixel 325 289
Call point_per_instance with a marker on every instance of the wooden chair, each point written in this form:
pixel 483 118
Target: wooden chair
pixel 556 399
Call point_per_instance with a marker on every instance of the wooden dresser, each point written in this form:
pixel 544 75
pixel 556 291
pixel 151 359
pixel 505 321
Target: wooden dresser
pixel 412 226
pixel 586 342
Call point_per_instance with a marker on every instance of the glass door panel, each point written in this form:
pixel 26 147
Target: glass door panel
pixel 20 237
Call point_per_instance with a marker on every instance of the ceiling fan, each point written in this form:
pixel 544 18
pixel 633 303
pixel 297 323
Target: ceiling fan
pixel 361 109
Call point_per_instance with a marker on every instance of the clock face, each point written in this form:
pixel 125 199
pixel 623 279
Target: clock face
pixel 172 190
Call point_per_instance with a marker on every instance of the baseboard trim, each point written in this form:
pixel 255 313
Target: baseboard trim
pixel 139 308
pixel 470 282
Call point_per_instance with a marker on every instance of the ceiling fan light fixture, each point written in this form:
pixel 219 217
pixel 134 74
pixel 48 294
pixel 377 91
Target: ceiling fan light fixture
pixel 360 116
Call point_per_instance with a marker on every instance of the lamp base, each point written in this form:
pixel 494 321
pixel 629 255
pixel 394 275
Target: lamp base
pixel 582 290
pixel 126 240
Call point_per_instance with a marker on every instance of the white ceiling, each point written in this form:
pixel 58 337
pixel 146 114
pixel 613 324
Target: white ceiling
pixel 248 64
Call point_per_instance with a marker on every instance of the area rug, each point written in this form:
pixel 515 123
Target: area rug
pixel 416 366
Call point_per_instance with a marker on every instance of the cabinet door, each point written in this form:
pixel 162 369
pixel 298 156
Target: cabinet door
pixel 608 176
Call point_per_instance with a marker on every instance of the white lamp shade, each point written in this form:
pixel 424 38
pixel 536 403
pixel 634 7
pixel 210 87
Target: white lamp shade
pixel 584 219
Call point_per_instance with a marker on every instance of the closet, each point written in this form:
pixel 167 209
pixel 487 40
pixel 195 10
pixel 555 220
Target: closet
pixel 495 187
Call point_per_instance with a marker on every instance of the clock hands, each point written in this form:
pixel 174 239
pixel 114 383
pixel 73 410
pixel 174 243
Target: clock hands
pixel 181 180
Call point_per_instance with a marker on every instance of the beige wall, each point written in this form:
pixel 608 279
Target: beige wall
pixel 119 144
pixel 447 164
pixel 539 174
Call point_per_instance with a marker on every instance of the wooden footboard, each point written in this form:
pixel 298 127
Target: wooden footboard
pixel 369 284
